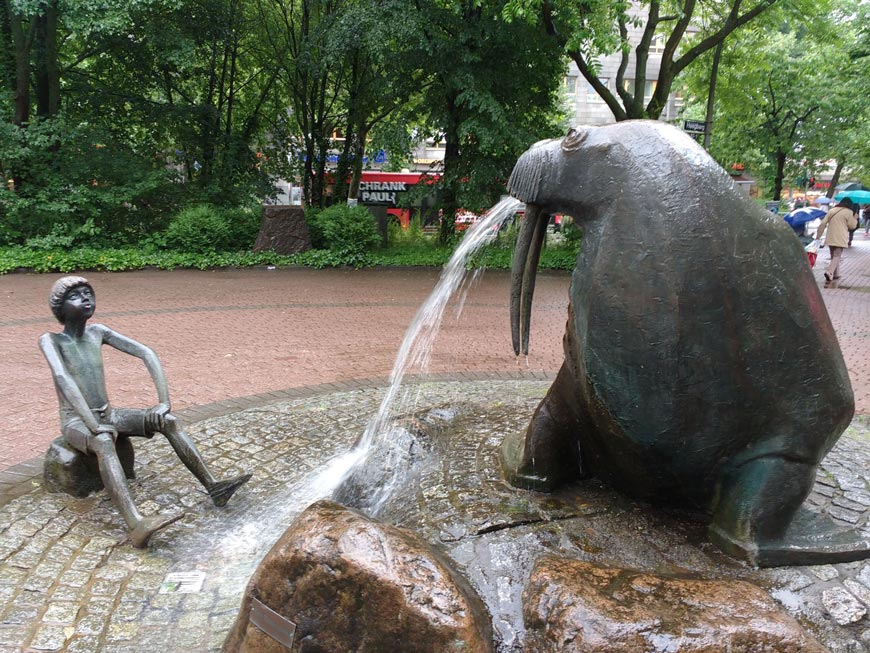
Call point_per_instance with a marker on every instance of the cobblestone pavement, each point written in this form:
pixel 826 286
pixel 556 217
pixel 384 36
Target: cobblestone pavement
pixel 69 580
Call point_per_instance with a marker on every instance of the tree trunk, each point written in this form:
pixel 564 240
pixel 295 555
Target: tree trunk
pixel 835 180
pixel 452 161
pixel 7 55
pixel 779 157
pixel 358 154
pixel 711 95
pixel 46 70
pixel 21 43
pixel 343 168
pixel 308 174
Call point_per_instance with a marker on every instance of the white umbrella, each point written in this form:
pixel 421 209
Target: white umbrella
pixel 822 200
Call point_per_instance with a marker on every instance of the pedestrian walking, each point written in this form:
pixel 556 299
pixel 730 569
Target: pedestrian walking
pixel 838 222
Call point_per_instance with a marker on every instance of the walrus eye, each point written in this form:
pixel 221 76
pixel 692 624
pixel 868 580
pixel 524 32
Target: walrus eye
pixel 574 139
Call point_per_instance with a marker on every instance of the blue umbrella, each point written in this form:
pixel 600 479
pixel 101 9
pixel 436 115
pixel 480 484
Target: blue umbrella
pixel 798 218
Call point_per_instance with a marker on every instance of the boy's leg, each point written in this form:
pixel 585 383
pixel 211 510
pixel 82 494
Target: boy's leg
pixel 115 481
pixel 220 491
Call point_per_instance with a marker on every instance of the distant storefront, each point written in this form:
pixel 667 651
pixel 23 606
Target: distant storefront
pixel 391 190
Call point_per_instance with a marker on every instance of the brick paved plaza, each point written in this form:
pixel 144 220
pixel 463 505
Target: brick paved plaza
pixel 265 365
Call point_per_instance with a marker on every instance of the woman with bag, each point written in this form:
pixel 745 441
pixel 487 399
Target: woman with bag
pixel 838 222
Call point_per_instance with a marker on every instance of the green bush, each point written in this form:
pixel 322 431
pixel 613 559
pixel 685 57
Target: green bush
pixel 244 223
pixel 315 230
pixel 73 176
pixel 343 228
pixel 199 229
pixel 410 235
pixel 570 231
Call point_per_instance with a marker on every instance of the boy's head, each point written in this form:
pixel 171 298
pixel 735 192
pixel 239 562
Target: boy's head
pixel 59 292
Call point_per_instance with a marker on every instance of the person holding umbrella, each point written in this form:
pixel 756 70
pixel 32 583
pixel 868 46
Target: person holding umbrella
pixel 838 222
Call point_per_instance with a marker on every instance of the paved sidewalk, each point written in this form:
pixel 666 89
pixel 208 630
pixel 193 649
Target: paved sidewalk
pixel 230 335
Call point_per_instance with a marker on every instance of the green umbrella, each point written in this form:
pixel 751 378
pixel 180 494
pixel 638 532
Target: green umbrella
pixel 857 196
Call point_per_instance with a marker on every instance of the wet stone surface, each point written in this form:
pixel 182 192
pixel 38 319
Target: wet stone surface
pixel 69 580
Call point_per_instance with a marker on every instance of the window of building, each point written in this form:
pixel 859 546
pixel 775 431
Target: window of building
pixel 657 45
pixel 592 94
pixel 571 85
pixel 648 90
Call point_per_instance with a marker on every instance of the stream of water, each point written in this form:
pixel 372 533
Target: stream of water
pixel 416 348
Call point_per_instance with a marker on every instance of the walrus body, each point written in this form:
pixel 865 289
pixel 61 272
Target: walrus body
pixel 701 367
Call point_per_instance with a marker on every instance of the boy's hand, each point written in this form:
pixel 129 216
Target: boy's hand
pixel 108 428
pixel 155 417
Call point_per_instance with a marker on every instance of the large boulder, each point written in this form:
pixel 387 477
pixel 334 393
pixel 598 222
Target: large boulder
pixel 570 606
pixel 348 583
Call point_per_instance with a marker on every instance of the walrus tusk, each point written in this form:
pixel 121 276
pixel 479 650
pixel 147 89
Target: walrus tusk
pixel 523 271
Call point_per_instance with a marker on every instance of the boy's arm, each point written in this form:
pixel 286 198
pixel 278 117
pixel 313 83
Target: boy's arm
pixel 66 383
pixel 152 363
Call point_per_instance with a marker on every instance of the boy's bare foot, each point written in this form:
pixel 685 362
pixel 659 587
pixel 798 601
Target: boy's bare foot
pixel 221 491
pixel 147 526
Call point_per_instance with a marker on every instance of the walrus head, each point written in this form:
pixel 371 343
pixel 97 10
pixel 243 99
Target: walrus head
pixel 547 177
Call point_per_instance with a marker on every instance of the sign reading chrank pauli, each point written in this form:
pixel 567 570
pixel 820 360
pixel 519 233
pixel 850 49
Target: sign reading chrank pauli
pixel 381 192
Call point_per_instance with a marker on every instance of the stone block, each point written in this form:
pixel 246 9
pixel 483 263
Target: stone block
pixel 68 470
pixel 283 230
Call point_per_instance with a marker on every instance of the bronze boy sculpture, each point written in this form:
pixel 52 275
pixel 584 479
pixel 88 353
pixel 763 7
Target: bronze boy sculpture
pixel 91 425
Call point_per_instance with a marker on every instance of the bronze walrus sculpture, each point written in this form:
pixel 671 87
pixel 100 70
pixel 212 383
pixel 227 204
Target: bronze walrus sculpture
pixel 701 368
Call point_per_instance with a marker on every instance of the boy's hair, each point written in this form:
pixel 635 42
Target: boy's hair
pixel 59 290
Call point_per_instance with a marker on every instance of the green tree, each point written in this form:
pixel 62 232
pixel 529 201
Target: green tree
pixel 190 84
pixel 380 40
pixel 683 30
pixel 298 34
pixel 774 111
pixel 486 111
pixel 848 114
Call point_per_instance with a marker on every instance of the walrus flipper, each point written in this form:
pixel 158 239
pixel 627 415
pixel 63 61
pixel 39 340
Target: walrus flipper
pixel 758 517
pixel 546 454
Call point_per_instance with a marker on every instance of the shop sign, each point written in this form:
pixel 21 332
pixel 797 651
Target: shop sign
pixel 381 193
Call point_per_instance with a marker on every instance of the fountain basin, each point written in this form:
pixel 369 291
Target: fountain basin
pixel 68 581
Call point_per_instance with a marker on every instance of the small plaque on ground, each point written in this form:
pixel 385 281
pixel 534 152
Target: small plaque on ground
pixel 182 582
